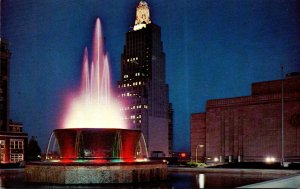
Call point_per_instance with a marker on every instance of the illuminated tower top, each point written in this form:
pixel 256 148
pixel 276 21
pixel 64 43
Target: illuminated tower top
pixel 142 16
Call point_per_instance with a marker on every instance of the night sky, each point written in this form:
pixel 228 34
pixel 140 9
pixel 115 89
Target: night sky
pixel 214 49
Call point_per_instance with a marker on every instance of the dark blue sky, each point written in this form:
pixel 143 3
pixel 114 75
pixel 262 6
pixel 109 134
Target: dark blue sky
pixel 214 49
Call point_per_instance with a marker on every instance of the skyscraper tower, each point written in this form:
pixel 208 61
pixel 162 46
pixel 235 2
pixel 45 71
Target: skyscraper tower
pixel 143 83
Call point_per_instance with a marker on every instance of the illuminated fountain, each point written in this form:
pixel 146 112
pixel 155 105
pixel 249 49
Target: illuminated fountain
pixel 94 145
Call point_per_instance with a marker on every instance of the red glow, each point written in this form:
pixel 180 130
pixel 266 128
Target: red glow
pixel 129 141
pixel 183 155
pixel 66 161
pixel 100 161
pixel 99 145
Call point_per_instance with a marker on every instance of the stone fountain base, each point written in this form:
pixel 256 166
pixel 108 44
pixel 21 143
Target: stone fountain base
pixel 94 173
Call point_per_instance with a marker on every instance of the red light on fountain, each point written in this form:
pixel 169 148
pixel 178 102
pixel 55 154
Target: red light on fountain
pixel 100 145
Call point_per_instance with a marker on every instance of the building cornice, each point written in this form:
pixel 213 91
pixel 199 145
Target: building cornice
pixel 251 100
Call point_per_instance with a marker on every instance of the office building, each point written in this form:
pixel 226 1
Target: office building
pixel 143 86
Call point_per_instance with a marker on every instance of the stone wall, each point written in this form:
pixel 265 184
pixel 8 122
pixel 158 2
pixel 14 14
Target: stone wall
pixel 84 173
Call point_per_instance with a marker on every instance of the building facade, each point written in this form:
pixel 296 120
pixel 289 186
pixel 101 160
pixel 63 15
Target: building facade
pixel 12 139
pixel 250 128
pixel 143 86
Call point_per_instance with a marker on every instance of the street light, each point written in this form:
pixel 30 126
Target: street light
pixel 282 118
pixel 201 146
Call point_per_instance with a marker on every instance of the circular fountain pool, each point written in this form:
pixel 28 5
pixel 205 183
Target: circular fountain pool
pixel 93 156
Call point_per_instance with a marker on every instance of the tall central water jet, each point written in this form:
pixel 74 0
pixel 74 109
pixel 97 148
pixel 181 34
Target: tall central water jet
pixel 95 105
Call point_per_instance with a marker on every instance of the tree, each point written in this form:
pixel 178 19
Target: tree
pixel 33 150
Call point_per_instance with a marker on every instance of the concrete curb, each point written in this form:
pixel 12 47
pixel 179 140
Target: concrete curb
pixel 233 171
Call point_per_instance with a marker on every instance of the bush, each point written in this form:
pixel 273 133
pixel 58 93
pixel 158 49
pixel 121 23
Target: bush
pixel 195 164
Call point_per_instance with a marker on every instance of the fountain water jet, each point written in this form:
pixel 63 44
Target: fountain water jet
pixel 94 145
pixel 95 105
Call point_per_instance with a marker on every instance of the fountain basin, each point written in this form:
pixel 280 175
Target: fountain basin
pixel 94 173
pixel 95 156
pixel 106 144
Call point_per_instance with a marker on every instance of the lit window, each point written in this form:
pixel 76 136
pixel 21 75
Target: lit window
pixel 2 146
pixel 16 144
pixel 16 157
pixel 140 83
pixel 125 76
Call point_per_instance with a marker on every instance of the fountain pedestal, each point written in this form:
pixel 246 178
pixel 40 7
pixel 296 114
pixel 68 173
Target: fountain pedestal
pixel 95 173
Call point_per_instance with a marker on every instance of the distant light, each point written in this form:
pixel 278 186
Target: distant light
pixel 183 155
pixel 216 159
pixel 142 160
pixel 270 159
pixel 166 161
pixel 201 180
pixel 139 26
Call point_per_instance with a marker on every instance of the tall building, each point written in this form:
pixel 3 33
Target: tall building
pixel 12 139
pixel 4 72
pixel 143 85
pixel 249 128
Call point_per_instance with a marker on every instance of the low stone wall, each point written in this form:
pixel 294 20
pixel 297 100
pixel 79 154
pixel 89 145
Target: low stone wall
pixel 88 173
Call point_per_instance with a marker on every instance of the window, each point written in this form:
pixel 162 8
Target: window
pixel 2 146
pixel 16 150
pixel 16 157
pixel 16 144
